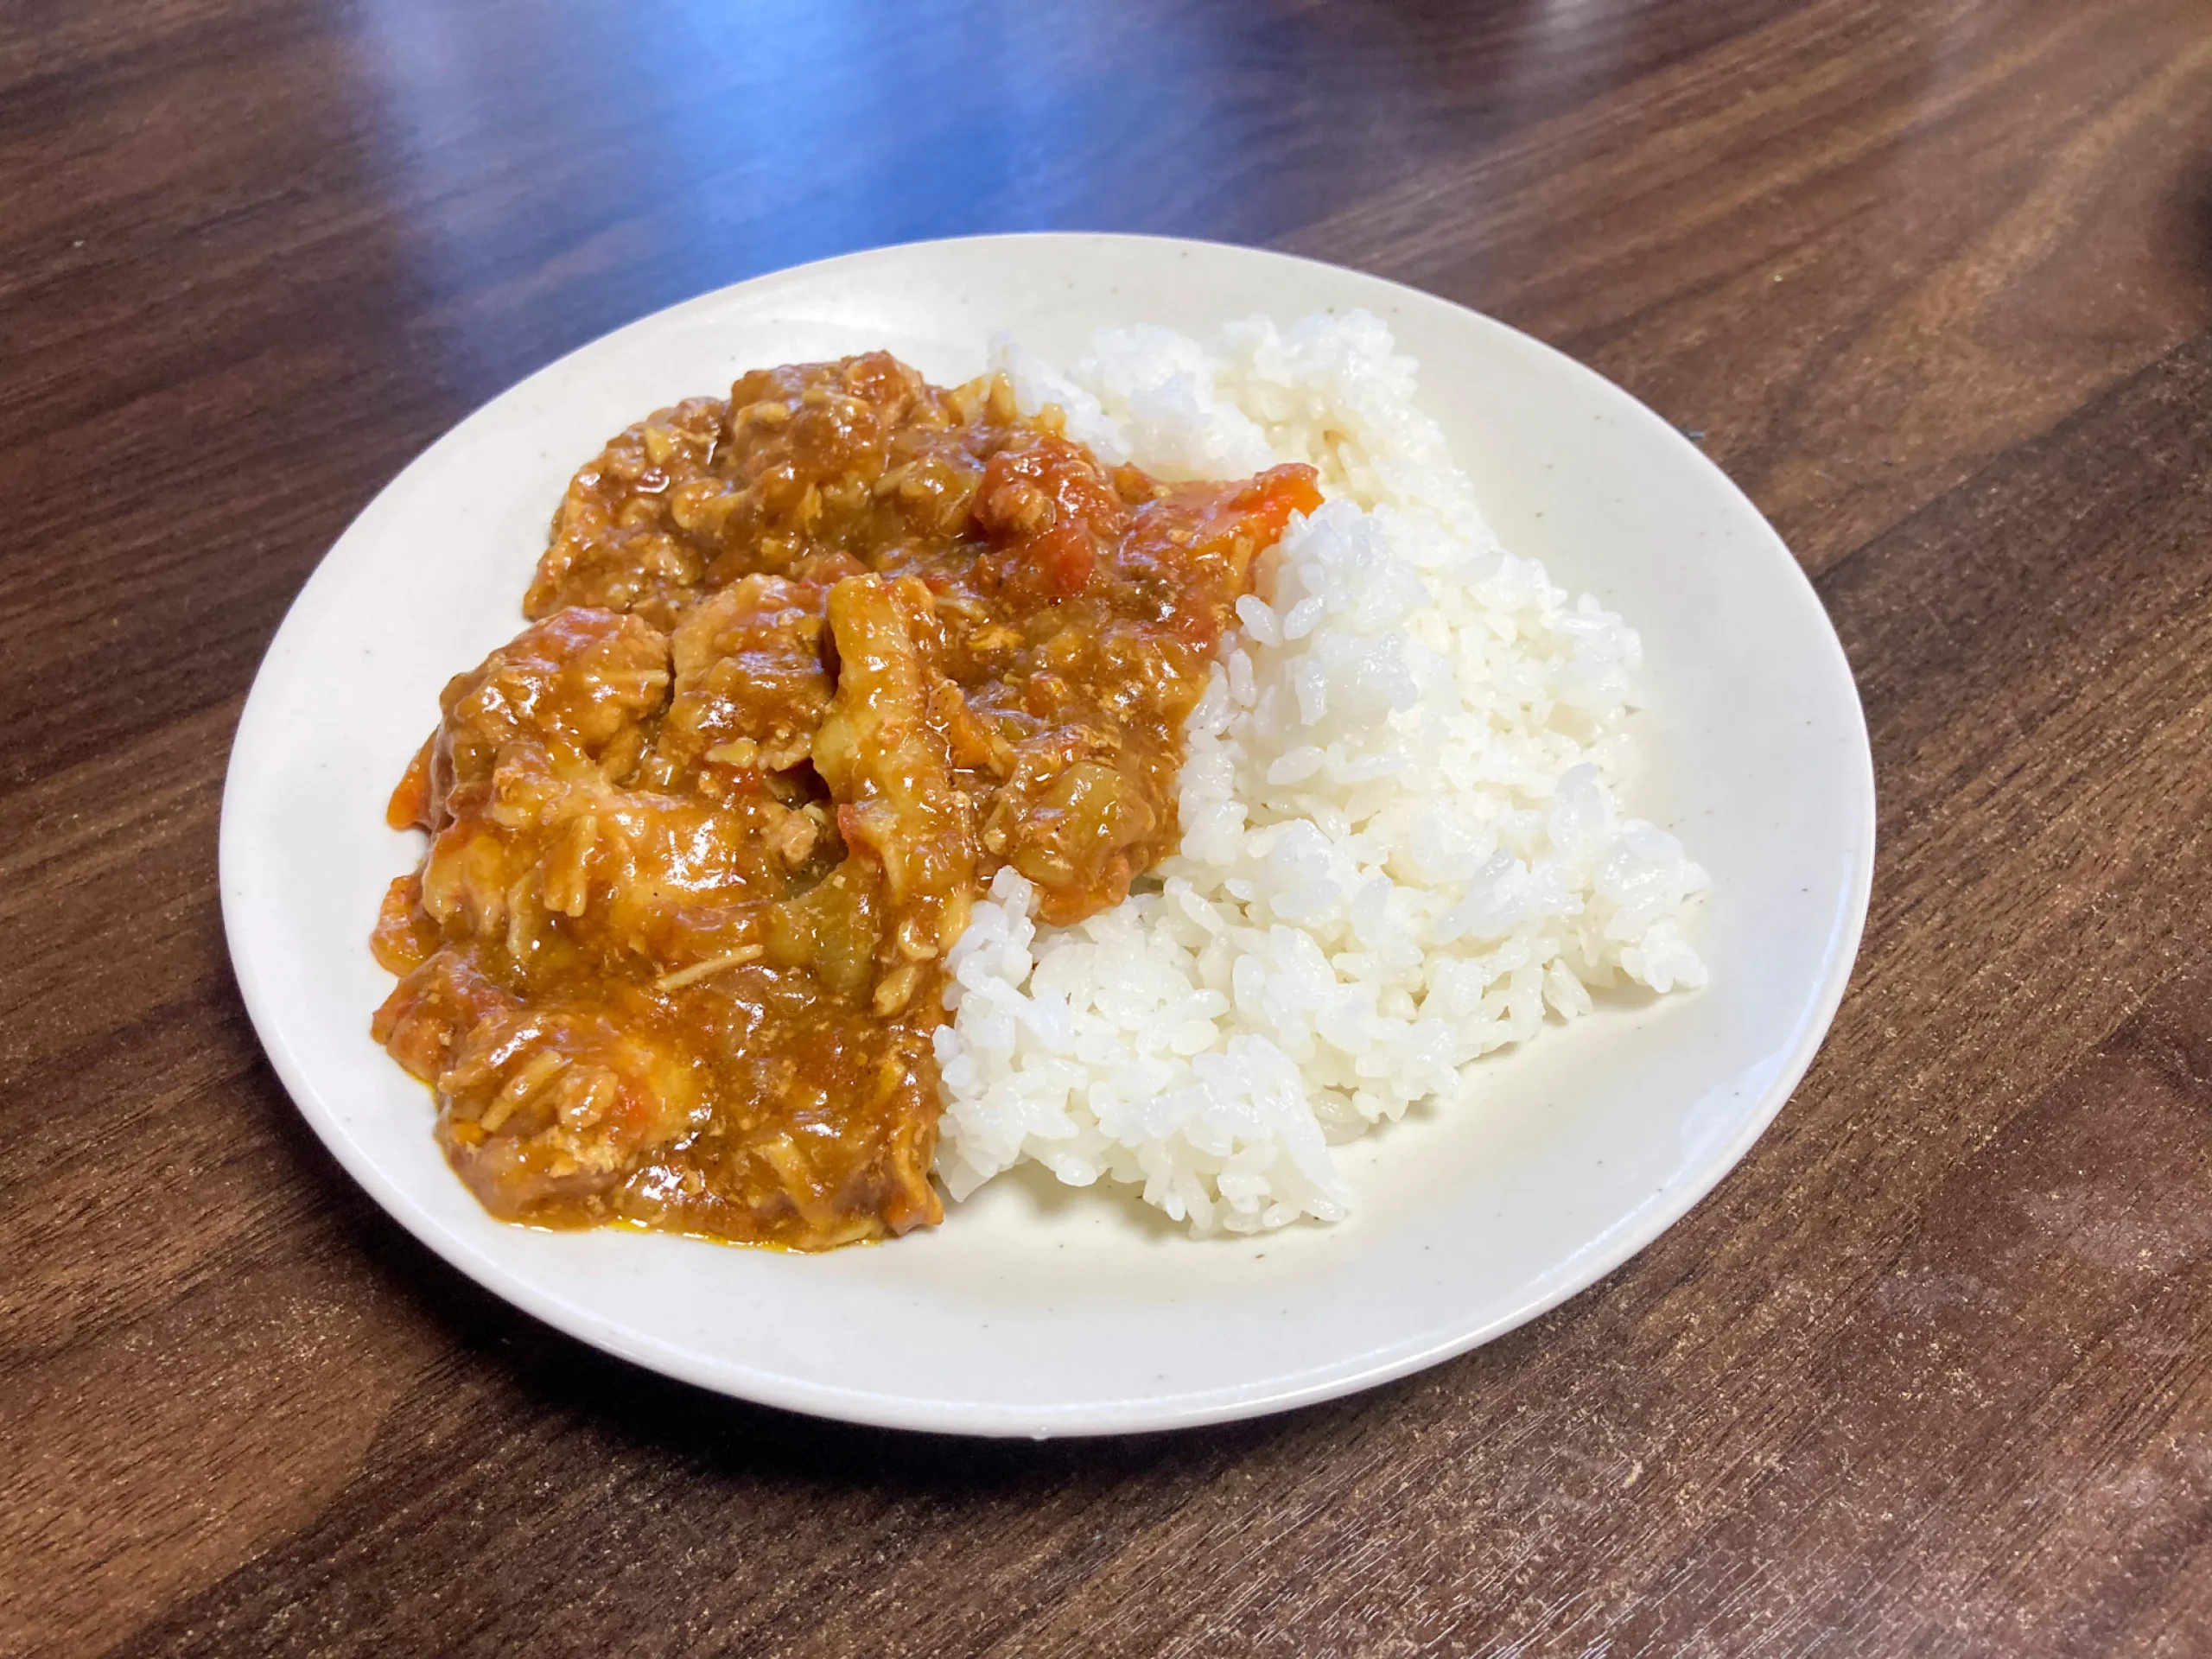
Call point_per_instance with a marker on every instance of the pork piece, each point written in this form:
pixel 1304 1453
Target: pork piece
pixel 544 867
pixel 751 682
pixel 579 688
pixel 556 1101
pixel 548 845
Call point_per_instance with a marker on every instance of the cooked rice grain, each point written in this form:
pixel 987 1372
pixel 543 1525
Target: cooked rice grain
pixel 1402 850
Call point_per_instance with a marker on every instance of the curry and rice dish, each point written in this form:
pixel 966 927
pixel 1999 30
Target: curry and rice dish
pixel 1155 769
pixel 806 668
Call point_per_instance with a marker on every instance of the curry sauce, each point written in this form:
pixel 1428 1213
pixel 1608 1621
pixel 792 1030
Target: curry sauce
pixel 806 666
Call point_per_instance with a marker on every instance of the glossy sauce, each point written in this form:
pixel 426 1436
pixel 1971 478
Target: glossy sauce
pixel 806 668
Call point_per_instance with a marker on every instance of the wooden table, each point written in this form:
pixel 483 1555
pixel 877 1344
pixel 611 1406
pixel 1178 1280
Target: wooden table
pixel 1930 1373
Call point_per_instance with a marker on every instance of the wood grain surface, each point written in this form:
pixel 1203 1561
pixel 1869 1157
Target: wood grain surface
pixel 1930 1373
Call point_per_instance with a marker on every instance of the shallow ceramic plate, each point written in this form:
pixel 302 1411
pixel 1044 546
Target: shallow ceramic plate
pixel 1034 1309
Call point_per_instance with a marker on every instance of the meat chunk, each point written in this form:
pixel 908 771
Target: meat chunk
pixel 751 683
pixel 580 687
pixel 543 861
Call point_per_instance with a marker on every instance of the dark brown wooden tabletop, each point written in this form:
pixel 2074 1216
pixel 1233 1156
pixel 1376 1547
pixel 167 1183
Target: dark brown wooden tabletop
pixel 1929 1373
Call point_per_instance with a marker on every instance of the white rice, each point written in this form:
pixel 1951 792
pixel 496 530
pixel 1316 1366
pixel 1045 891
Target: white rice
pixel 1400 845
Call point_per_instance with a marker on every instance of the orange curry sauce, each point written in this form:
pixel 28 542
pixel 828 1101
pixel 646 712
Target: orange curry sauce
pixel 805 669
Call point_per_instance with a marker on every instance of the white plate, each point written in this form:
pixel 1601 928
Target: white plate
pixel 1037 1310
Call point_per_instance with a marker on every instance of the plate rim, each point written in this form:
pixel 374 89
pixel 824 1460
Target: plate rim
pixel 873 1406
